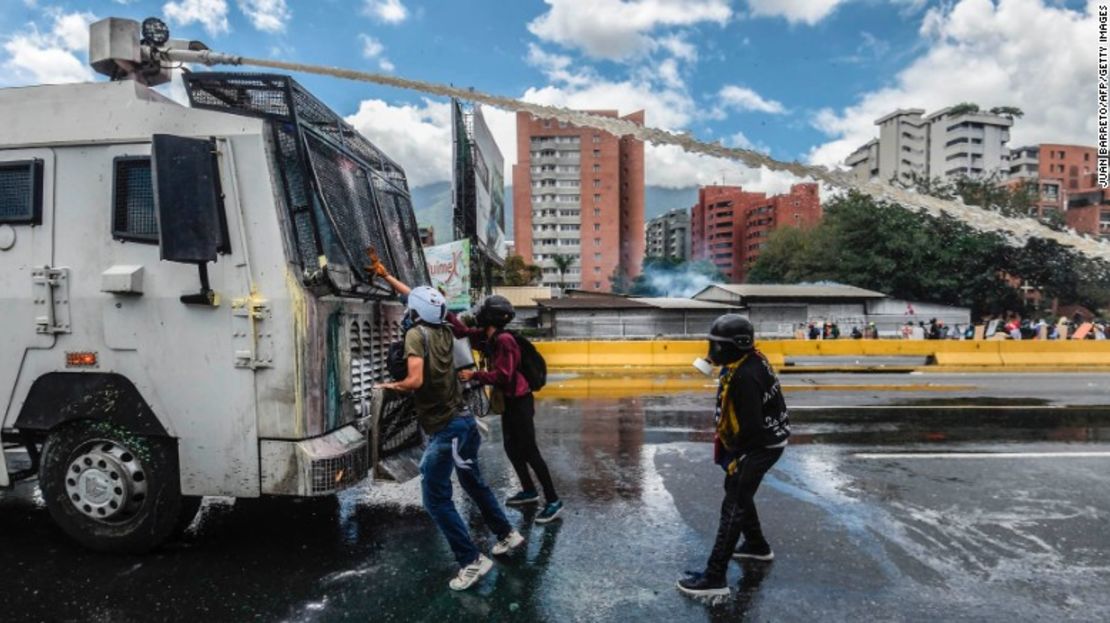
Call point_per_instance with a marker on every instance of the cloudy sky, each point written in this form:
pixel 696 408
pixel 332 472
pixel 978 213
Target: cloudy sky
pixel 802 79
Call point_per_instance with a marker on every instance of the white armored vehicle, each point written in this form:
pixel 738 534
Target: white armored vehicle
pixel 185 308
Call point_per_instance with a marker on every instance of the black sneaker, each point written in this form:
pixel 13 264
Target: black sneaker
pixel 747 551
pixel 698 585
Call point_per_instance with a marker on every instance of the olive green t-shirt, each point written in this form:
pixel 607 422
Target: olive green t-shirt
pixel 439 398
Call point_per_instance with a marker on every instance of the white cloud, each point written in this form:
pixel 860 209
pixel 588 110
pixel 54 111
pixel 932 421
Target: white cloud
pixel 980 52
pixel 557 67
pixel 266 15
pixel 371 47
pixel 372 50
pixel 620 29
pixel 743 99
pixel 388 11
pixel 795 11
pixel 52 57
pixel 211 14
pixel 670 167
pixel 418 137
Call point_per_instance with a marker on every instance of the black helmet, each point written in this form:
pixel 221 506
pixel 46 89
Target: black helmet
pixel 495 311
pixel 730 337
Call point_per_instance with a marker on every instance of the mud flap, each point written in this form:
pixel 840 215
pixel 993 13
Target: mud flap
pixel 4 480
pixel 397 443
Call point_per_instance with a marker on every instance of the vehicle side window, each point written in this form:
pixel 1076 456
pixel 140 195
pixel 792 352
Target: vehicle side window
pixel 21 192
pixel 133 200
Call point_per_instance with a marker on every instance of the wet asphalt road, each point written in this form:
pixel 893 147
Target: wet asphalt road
pixel 1021 537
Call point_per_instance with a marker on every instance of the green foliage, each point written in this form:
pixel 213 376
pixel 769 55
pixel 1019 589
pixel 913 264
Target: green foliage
pixel 881 246
pixel 516 272
pixel 964 108
pixel 1008 111
pixel 562 264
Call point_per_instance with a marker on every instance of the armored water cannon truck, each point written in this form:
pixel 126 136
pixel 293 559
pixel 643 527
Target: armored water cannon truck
pixel 186 309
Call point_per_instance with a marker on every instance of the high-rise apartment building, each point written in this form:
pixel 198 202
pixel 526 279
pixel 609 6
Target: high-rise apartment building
pixel 668 235
pixel 730 226
pixel 949 143
pixel 579 192
pixel 1057 170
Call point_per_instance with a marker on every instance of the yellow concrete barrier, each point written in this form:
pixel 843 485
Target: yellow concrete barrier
pixel 679 354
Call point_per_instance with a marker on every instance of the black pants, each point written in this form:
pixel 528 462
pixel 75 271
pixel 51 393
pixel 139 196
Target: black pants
pixel 738 514
pixel 519 432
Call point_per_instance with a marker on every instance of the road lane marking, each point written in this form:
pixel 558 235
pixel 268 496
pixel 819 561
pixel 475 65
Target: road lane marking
pixel 982 455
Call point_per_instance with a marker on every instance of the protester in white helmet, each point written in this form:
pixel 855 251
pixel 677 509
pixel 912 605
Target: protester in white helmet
pixel 453 437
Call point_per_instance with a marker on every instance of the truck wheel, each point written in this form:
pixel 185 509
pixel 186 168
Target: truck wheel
pixel 110 490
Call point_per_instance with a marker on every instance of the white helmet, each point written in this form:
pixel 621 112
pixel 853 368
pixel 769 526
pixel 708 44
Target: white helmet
pixel 427 304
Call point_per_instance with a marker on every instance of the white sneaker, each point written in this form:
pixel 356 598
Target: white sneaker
pixel 508 544
pixel 471 573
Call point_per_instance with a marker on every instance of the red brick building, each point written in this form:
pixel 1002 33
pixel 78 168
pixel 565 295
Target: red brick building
pixel 1089 208
pixel 579 192
pixel 1056 170
pixel 729 226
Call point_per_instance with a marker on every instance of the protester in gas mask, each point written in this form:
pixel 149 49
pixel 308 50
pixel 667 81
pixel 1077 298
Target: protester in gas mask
pixel 452 432
pixel 752 428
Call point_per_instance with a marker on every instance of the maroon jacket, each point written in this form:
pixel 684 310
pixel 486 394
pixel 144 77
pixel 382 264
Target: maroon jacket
pixel 503 355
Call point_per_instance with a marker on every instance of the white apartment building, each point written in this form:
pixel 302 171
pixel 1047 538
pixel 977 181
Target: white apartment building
pixel 942 144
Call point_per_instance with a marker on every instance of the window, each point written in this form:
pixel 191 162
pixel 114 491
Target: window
pixel 597 168
pixel 21 192
pixel 547 123
pixel 597 257
pixel 597 183
pixel 133 200
pixel 597 242
pixel 597 153
pixel 597 199
pixel 597 285
pixel 597 212
pixel 597 226
pixel 597 270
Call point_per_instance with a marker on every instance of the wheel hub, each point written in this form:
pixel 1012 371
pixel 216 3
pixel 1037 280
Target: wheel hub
pixel 105 481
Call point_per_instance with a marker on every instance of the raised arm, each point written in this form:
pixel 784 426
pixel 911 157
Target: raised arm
pixel 376 267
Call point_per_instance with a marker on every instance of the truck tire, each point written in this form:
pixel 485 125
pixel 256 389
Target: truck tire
pixel 110 490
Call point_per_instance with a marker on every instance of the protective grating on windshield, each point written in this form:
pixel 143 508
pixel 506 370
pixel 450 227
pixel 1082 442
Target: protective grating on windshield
pixel 403 231
pixel 349 200
pixel 133 201
pixel 253 94
pixel 21 191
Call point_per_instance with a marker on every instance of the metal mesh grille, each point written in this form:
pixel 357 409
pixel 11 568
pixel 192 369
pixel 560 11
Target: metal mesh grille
pixel 133 214
pixel 253 94
pixel 17 192
pixel 343 160
pixel 345 188
pixel 341 471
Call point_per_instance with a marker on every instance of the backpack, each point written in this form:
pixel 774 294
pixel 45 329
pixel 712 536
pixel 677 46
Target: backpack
pixel 532 365
pixel 395 361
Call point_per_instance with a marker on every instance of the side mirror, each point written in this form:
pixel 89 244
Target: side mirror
pixel 187 199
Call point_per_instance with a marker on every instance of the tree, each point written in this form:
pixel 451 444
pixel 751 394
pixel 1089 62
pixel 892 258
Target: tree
pixel 882 246
pixel 964 108
pixel 1008 111
pixel 516 272
pixel 562 264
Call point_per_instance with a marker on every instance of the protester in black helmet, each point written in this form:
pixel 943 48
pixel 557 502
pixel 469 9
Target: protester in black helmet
pixel 752 428
pixel 502 355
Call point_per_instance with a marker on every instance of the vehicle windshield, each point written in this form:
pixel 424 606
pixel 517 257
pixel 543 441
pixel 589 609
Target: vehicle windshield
pixel 344 196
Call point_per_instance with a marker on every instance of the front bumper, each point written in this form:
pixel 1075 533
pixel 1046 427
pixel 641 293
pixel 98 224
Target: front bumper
pixel 318 466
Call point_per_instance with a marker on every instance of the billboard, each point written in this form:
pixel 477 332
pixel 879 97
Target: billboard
pixel 449 268
pixel 478 183
pixel 489 177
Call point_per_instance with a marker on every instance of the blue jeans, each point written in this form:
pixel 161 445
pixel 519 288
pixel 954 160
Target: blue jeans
pixel 456 446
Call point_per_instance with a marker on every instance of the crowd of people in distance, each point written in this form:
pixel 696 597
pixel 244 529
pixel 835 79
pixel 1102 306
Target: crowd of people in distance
pixel 1011 326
